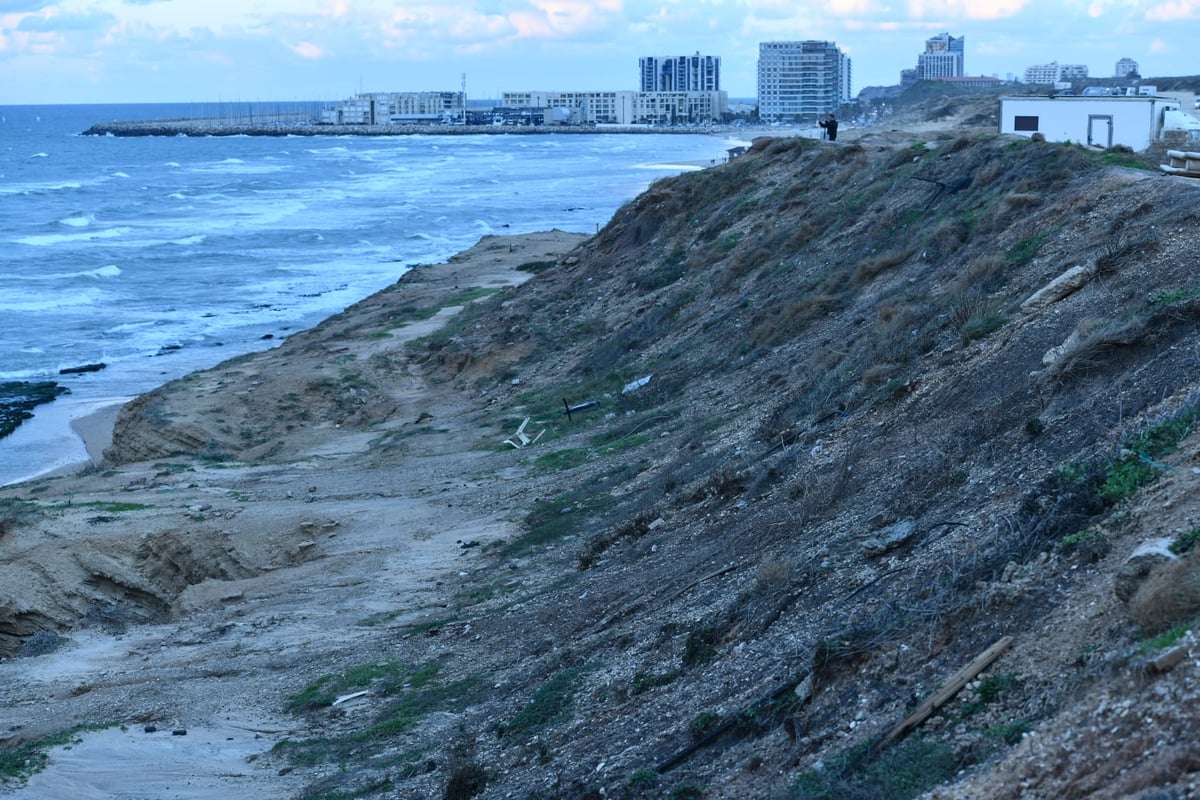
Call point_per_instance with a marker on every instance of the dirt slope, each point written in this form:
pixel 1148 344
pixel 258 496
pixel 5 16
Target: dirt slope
pixel 846 415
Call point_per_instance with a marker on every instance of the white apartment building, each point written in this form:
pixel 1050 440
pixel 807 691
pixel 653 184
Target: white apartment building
pixel 1054 72
pixel 1125 68
pixel 801 80
pixel 695 73
pixel 626 107
pixel 391 108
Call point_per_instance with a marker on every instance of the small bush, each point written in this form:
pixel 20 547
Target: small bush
pixel 704 722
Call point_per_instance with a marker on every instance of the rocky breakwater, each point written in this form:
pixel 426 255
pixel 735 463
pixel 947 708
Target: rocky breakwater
pixel 217 127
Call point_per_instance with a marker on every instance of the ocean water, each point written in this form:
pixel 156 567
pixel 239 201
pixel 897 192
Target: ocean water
pixel 162 255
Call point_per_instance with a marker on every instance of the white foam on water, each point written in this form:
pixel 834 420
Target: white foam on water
pixel 79 221
pixel 35 302
pixel 52 239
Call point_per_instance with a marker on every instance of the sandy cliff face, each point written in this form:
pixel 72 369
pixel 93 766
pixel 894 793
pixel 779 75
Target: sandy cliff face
pixel 848 415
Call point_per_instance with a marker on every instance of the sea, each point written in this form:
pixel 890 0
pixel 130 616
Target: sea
pixel 158 256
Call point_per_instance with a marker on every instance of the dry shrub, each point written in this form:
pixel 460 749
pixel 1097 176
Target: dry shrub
pixel 961 143
pixel 1017 200
pixel 984 273
pixel 1169 596
pixel 988 173
pixel 852 152
pixel 868 268
pixel 1092 340
pixel 946 239
pixel 746 260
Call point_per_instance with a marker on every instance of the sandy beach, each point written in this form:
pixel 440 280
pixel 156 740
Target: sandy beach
pixel 179 594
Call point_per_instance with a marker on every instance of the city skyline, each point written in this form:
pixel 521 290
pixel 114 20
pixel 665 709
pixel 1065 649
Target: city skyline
pixel 111 51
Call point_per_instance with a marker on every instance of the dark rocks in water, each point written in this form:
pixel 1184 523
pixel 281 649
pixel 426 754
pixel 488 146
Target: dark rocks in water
pixel 82 369
pixel 19 398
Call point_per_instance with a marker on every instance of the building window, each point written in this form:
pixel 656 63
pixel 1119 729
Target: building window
pixel 1025 123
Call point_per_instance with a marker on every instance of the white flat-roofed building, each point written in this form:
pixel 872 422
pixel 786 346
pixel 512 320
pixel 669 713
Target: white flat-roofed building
pixel 1054 72
pixel 801 80
pixel 386 108
pixel 1134 121
pixel 695 73
pixel 626 107
pixel 1125 68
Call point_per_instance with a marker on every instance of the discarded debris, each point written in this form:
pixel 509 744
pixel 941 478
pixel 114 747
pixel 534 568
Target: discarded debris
pixel 633 386
pixel 584 406
pixel 521 438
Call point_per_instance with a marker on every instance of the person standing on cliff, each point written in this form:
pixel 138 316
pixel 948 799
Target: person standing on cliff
pixel 830 126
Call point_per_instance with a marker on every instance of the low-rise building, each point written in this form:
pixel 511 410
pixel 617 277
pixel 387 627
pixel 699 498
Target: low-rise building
pixel 626 107
pixel 394 108
pixel 1096 121
pixel 1054 72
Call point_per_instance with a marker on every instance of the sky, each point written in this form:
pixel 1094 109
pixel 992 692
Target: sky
pixel 128 51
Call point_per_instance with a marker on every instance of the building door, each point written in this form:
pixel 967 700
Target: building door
pixel 1100 133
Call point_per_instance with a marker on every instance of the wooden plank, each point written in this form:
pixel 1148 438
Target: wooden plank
pixel 952 687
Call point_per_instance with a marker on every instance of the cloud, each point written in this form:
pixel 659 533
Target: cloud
pixel 307 50
pixel 965 9
pixel 1174 11
pixel 55 22
pixel 23 6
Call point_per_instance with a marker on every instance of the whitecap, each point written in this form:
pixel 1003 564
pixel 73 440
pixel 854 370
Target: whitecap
pixel 110 271
pixel 49 239
pixel 79 221
pixel 189 240
pixel 36 302
pixel 172 164
pixel 120 174
pixel 40 155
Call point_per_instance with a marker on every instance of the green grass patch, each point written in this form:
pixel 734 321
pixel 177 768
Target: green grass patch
pixel 20 762
pixel 107 507
pixel 901 772
pixel 575 456
pixel 728 242
pixel 1160 299
pixel 1138 467
pixel 381 677
pixel 551 704
pixel 1185 542
pixel 536 266
pixel 1025 250
pixel 1165 639
pixel 1010 733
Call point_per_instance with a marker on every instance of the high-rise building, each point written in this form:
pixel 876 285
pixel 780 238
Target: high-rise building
pixel 680 73
pixel 943 58
pixel 1125 68
pixel 801 80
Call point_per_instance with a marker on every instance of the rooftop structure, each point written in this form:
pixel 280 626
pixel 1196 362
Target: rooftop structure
pixel 680 73
pixel 801 80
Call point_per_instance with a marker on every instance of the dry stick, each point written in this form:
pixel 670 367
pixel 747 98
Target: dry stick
pixel 952 687
pixel 701 580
